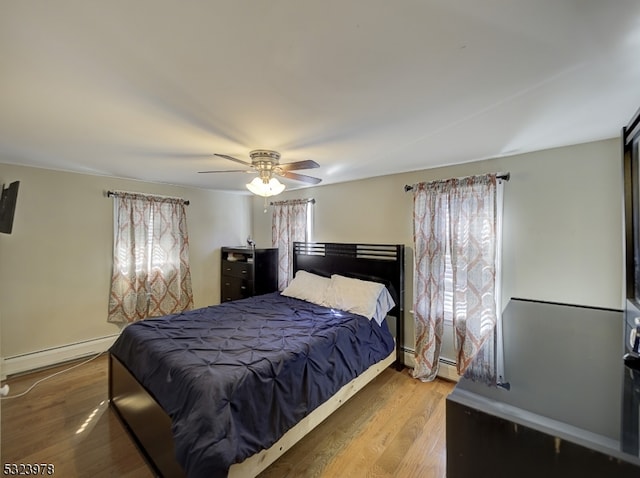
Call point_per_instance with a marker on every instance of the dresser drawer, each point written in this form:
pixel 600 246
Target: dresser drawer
pixel 237 269
pixel 234 288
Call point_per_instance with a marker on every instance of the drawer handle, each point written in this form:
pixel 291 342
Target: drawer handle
pixel 228 268
pixel 244 272
pixel 243 287
pixel 227 283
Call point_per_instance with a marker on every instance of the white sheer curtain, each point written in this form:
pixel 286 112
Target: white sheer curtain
pixel 151 275
pixel 456 259
pixel 289 224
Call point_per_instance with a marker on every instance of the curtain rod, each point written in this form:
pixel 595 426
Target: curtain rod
pixel 503 176
pixel 115 193
pixel 312 201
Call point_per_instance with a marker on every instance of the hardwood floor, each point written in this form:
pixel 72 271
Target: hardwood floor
pixel 394 427
pixel 66 421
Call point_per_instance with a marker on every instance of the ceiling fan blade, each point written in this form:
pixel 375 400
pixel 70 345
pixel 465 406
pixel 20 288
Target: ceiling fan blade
pixel 300 177
pixel 306 164
pixel 231 158
pixel 229 171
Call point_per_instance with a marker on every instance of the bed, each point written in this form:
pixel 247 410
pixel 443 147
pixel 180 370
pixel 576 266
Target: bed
pixel 227 389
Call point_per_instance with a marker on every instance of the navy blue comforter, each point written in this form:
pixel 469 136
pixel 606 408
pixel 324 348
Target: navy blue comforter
pixel 236 376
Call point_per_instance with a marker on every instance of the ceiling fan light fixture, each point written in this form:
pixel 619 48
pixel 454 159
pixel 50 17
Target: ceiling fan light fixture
pixel 258 186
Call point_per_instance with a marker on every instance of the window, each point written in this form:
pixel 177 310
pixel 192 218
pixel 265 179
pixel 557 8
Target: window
pixel 151 275
pixel 291 222
pixel 457 244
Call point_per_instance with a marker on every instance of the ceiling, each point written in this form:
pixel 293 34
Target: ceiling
pixel 150 89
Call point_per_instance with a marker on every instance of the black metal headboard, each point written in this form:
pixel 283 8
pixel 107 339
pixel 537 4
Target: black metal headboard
pixel 375 262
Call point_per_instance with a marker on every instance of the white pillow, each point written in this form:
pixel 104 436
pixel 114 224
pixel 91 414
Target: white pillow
pixel 308 286
pixel 383 305
pixel 357 296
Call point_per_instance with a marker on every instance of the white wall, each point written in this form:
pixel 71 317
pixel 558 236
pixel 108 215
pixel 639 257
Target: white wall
pixel 562 221
pixel 562 237
pixel 55 267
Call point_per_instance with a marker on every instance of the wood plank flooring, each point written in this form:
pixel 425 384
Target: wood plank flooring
pixel 394 427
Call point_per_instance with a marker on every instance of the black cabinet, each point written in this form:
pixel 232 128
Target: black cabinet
pixel 246 272
pixel 567 411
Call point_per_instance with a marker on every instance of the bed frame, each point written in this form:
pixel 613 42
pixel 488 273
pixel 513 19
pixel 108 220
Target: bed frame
pixel 375 262
pixel 150 426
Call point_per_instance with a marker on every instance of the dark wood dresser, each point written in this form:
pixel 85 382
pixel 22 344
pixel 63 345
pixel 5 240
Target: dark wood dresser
pixel 572 406
pixel 246 272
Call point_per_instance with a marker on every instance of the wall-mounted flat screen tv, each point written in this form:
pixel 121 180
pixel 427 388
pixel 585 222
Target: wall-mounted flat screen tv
pixel 8 206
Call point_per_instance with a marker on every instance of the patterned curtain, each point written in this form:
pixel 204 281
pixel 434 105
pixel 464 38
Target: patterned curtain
pixel 288 225
pixel 455 229
pixel 151 275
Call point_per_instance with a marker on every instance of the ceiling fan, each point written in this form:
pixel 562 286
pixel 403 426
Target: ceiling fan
pixel 266 163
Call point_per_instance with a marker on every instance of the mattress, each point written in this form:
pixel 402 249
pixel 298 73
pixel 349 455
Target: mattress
pixel 236 376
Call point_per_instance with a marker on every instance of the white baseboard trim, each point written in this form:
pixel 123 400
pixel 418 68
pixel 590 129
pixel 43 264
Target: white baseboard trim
pixel 445 370
pixel 53 356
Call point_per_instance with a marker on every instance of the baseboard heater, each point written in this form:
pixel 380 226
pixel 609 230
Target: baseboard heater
pixel 447 369
pixel 55 355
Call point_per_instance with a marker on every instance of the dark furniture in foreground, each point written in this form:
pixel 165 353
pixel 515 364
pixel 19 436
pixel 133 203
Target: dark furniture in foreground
pixel 570 406
pixel 151 426
pixel 246 271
